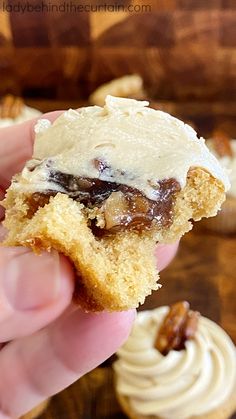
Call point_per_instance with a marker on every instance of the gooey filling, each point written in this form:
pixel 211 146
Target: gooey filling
pixel 119 205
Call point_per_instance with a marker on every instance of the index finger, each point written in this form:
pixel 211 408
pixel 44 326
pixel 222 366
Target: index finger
pixel 16 147
pixel 42 364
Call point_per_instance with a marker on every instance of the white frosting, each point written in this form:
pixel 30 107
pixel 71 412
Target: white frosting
pixel 26 114
pixel 229 163
pixel 141 146
pixel 42 125
pixel 183 383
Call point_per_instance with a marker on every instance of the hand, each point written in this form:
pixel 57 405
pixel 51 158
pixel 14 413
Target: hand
pixel 51 342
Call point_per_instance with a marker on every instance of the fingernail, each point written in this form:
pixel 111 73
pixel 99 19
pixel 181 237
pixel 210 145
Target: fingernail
pixel 31 281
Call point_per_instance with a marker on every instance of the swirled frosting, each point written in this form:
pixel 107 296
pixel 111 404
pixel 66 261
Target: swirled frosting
pixel 26 114
pixel 182 384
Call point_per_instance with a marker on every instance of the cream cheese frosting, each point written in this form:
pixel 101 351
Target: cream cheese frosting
pixel 138 146
pixel 26 114
pixel 183 383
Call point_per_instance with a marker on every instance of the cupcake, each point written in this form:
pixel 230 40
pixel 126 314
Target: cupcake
pixel 129 86
pixel 176 364
pixel 14 111
pixel 225 150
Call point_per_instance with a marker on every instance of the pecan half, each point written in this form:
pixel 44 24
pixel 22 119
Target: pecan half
pixel 221 143
pixel 11 107
pixel 179 325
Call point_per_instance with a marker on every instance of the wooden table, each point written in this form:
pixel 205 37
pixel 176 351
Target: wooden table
pixel 204 273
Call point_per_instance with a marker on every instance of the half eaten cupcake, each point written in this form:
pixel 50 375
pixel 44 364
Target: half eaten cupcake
pixel 104 185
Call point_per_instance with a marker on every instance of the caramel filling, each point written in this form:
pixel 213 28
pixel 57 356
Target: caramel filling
pixel 121 206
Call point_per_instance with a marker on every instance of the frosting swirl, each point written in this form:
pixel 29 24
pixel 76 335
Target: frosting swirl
pixel 196 379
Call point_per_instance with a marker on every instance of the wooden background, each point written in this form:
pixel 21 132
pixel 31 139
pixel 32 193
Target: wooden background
pixel 184 49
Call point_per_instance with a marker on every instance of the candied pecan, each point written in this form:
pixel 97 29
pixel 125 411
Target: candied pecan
pixel 128 208
pixel 11 107
pixel 221 143
pixel 179 325
pixel 115 210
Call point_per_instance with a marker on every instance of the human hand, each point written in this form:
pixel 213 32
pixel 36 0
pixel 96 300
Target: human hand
pixel 51 343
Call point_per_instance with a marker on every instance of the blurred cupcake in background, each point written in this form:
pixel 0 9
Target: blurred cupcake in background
pixel 224 149
pixel 14 111
pixel 129 86
pixel 176 364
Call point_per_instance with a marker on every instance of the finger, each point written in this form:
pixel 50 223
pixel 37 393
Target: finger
pixel 39 366
pixel 34 290
pixel 165 253
pixel 30 283
pixel 16 146
pixel 3 232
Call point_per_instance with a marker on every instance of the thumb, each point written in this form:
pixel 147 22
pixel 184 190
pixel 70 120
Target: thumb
pixel 34 290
